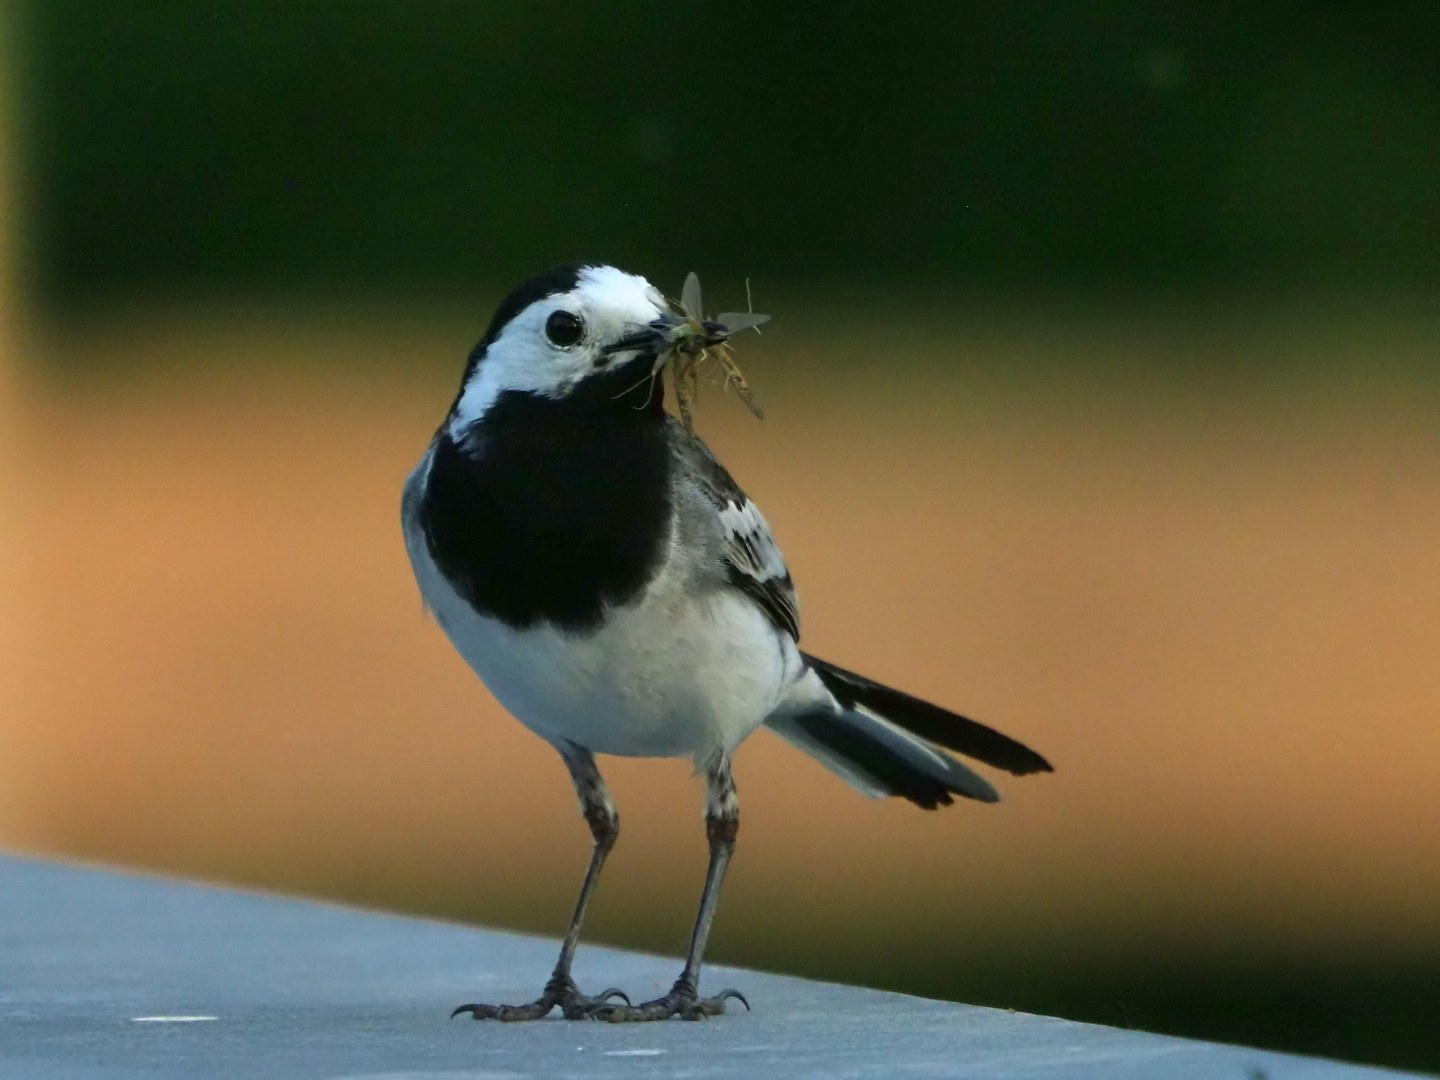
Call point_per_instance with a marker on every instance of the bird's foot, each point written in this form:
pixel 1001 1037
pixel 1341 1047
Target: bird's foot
pixel 560 990
pixel 683 1001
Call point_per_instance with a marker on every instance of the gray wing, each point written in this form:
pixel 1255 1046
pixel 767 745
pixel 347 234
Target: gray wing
pixel 735 321
pixel 753 563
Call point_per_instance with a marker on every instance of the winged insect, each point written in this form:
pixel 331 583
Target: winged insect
pixel 694 340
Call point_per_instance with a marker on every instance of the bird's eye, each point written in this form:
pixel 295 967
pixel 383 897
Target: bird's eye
pixel 563 328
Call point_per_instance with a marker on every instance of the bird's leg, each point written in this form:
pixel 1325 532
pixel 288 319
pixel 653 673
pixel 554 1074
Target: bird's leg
pixel 722 822
pixel 604 822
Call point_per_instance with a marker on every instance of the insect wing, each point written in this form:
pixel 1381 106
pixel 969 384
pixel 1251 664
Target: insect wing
pixel 735 321
pixel 690 297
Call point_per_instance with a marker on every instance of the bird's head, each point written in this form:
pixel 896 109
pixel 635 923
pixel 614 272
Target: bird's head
pixel 569 333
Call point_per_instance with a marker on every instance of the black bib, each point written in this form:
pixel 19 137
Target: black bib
pixel 553 509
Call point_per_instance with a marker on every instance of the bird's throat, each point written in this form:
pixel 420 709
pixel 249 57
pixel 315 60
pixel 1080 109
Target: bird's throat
pixel 553 511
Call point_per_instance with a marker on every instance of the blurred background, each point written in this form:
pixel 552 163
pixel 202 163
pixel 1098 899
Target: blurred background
pixel 1103 405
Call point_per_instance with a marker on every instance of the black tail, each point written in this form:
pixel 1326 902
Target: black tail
pixel 930 722
pixel 878 758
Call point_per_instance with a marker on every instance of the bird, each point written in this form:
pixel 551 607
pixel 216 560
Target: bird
pixel 618 593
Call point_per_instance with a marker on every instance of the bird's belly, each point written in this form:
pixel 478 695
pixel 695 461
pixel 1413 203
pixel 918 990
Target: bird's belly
pixel 674 673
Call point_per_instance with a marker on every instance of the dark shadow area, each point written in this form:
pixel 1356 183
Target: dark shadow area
pixel 1381 1015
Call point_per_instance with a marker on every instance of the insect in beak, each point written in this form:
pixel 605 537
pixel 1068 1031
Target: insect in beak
pixel 692 338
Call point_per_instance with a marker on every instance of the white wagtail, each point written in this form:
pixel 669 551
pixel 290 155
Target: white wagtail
pixel 614 588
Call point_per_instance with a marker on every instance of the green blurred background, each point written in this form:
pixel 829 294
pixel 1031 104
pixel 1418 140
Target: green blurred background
pixel 1175 174
pixel 332 143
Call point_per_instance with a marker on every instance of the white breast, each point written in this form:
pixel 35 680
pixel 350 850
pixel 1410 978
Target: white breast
pixel 683 670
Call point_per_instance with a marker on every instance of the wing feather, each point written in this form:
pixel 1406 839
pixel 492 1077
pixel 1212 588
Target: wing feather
pixel 753 562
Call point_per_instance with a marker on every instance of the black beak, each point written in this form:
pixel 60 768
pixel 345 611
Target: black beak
pixel 652 339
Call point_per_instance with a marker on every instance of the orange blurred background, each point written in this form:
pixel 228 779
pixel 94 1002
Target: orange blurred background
pixel 1211 597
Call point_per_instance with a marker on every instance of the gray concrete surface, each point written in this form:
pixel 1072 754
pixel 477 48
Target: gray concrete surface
pixel 106 975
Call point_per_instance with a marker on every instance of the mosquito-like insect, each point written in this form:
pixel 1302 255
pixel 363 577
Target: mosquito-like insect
pixel 694 338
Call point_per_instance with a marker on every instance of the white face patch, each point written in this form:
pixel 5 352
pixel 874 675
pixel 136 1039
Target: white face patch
pixel 609 302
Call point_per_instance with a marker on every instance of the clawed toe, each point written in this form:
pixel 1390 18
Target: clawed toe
pixel 580 1007
pixel 682 1002
pixel 704 1008
pixel 507 1013
pixel 573 1005
pixel 736 994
